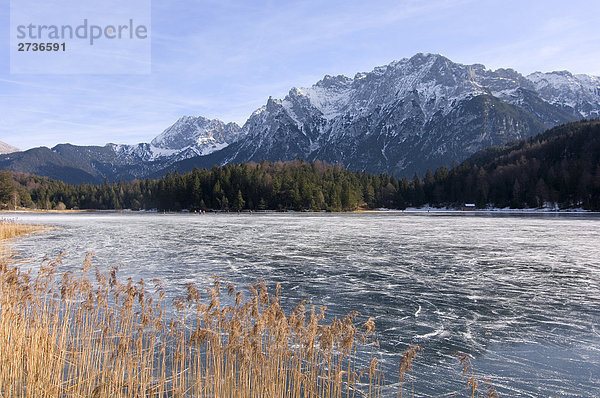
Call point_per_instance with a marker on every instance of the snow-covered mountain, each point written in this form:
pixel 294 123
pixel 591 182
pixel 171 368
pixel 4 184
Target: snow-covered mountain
pixel 197 133
pixel 414 114
pixel 5 148
pixel 579 92
pixel 188 137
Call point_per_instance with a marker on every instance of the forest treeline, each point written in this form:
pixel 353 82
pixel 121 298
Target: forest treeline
pixel 558 168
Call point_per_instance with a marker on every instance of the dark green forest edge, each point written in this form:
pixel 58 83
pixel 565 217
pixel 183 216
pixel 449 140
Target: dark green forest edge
pixel 559 168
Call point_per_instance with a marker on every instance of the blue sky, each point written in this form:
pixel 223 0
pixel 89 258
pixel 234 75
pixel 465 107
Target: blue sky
pixel 224 58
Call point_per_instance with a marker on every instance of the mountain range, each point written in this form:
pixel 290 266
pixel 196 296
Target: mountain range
pixel 414 114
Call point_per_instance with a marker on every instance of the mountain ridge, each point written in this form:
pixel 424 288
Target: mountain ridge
pixel 405 117
pixel 378 120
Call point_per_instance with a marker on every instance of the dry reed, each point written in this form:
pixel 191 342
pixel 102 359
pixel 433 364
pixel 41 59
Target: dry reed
pixel 471 380
pixel 10 229
pixel 406 365
pixel 89 334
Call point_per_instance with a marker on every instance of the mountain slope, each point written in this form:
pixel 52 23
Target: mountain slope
pixel 571 141
pixel 44 162
pixel 559 167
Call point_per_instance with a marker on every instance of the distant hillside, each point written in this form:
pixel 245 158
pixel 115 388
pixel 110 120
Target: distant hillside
pixel 45 162
pixel 559 167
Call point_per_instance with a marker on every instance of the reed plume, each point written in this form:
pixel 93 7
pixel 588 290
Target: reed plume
pixel 89 334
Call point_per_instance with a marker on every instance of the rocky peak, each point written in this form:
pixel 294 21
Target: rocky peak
pixel 6 148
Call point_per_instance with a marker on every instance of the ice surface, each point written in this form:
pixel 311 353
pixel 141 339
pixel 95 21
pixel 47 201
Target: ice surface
pixel 520 293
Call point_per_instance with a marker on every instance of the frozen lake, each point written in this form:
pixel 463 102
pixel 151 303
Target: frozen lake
pixel 520 293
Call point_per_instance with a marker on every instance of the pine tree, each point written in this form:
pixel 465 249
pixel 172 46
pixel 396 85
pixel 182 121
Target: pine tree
pixel 6 186
pixel 239 202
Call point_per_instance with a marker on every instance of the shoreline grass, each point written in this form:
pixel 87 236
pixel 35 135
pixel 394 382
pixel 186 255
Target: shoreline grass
pixel 11 229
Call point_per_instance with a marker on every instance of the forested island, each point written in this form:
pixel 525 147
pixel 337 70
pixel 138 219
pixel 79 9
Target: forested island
pixel 559 168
